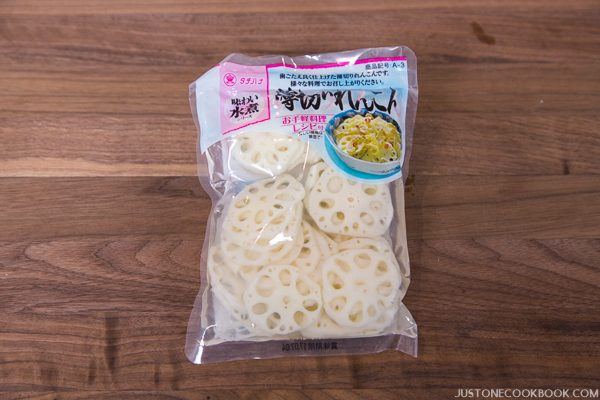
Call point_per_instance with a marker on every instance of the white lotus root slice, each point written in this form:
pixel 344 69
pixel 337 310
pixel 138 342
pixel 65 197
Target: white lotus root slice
pixel 342 206
pixel 324 327
pixel 312 156
pixel 230 327
pixel 378 244
pixel 382 246
pixel 313 175
pixel 226 286
pixel 283 251
pixel 281 300
pixel 316 275
pixel 262 210
pixel 310 254
pixel 248 272
pixel 267 153
pixel 337 238
pixel 309 156
pixel 359 286
pixel 327 246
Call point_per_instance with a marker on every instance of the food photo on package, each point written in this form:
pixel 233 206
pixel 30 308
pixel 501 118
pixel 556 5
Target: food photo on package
pixel 304 159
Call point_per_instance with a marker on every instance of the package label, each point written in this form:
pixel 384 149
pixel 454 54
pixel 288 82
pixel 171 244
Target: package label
pixel 353 113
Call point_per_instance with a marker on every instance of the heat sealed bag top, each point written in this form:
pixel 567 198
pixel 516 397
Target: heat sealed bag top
pixel 304 159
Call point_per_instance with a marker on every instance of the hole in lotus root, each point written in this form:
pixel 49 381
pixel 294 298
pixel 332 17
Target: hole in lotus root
pixel 259 308
pixel 370 190
pixel 302 287
pixel 343 264
pixel 256 157
pixel 283 196
pixel 269 184
pixel 253 190
pixel 244 215
pixel 338 303
pixel 335 280
pixel 245 146
pixel 299 317
pixel 385 289
pixel 278 220
pixel 259 216
pixel 283 185
pixel 265 286
pixel 273 320
pixel 338 217
pixel 362 260
pixel 285 277
pixel 371 311
pixel 334 185
pixel 376 205
pixel 327 203
pixel 243 202
pixel 366 218
pixel 251 255
pixel 382 268
pixel 310 305
pixel 356 313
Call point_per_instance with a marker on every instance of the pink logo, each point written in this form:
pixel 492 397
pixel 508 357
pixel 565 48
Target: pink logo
pixel 229 79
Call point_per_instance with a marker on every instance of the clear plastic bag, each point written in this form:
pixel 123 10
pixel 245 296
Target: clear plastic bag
pixel 304 159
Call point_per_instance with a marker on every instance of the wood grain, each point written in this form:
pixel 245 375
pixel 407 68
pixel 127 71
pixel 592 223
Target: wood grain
pixel 111 313
pixel 103 218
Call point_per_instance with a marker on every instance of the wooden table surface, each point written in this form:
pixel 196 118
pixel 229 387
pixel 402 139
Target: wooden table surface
pixel 102 217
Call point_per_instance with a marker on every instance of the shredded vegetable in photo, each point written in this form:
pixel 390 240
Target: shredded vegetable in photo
pixel 369 138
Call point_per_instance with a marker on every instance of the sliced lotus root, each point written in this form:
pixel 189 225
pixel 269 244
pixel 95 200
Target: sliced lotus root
pixel 359 286
pixel 267 153
pixel 248 272
pixel 313 175
pixel 312 156
pixel 285 249
pixel 378 244
pixel 342 206
pixel 382 246
pixel 281 300
pixel 225 284
pixel 231 327
pixel 324 327
pixel 327 246
pixel 309 156
pixel 336 237
pixel 262 210
pixel 316 275
pixel 310 254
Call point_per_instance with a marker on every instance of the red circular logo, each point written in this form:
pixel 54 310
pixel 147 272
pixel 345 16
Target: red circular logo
pixel 229 79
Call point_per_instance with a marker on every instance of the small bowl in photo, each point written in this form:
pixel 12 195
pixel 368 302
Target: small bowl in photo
pixel 370 167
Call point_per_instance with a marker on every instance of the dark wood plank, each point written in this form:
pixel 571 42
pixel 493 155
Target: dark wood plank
pixel 58 207
pixel 111 312
pixel 521 31
pixel 438 207
pixel 119 106
pixel 147 145
pixel 310 394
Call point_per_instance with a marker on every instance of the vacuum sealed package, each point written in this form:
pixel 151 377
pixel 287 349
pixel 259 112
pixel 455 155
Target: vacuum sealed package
pixel 304 159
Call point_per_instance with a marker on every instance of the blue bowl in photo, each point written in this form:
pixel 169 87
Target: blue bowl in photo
pixel 369 167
